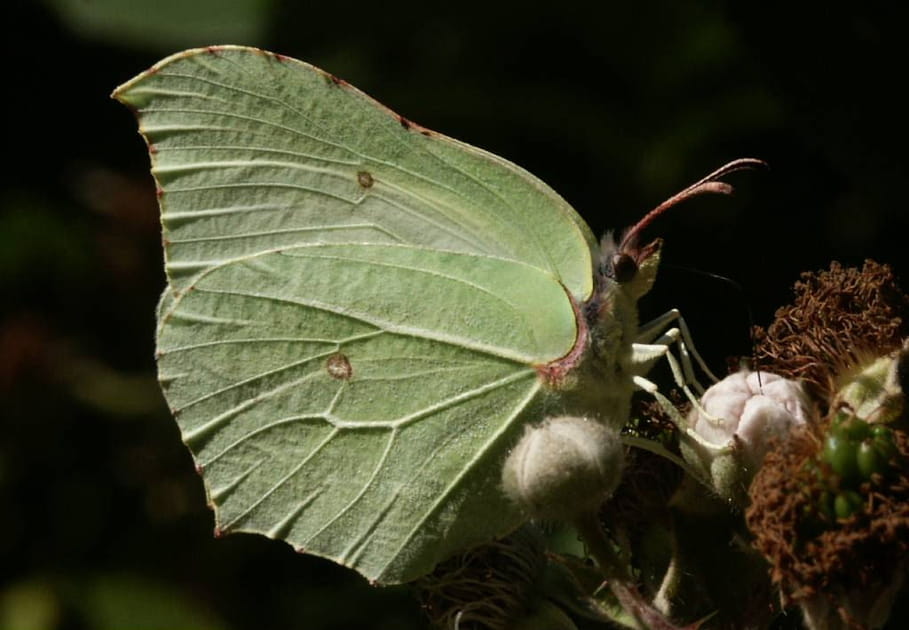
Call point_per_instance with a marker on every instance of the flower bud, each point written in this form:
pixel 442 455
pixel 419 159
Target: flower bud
pixel 747 412
pixel 564 467
pixel 873 391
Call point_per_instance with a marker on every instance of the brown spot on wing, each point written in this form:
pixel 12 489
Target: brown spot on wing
pixel 365 179
pixel 338 367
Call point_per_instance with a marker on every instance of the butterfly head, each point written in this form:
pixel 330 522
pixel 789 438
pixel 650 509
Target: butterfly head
pixel 632 268
pixel 631 265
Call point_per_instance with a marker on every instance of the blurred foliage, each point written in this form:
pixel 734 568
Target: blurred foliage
pixel 109 602
pixel 165 25
pixel 616 105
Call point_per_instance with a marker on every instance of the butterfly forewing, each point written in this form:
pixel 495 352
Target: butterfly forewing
pixel 356 309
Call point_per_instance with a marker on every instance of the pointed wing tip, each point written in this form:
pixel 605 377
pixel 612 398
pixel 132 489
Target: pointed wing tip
pixel 120 93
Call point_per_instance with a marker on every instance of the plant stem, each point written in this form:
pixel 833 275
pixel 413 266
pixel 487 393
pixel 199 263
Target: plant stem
pixel 618 575
pixel 588 526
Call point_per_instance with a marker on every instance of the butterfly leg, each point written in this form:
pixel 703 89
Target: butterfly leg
pixel 650 348
pixel 658 448
pixel 677 418
pixel 648 332
pixel 644 356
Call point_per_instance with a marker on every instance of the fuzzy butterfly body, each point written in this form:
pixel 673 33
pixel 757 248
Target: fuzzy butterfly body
pixel 361 314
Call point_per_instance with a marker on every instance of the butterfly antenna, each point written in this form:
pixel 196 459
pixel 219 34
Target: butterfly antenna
pixel 749 314
pixel 709 184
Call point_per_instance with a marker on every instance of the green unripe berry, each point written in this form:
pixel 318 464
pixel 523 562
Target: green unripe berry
pixel 885 441
pixel 871 459
pixel 880 431
pixel 886 445
pixel 852 429
pixel 847 503
pixel 840 453
pixel 856 449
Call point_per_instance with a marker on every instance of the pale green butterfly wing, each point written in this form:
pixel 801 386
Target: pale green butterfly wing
pixel 355 311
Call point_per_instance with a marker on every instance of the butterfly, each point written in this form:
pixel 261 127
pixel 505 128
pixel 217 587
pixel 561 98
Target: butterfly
pixel 361 314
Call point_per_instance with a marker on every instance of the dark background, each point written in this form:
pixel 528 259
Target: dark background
pixel 617 106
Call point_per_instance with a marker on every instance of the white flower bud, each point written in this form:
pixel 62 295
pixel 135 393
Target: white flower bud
pixel 753 411
pixel 745 414
pixel 563 467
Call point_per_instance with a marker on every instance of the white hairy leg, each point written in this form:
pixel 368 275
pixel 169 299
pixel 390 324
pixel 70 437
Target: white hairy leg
pixel 648 332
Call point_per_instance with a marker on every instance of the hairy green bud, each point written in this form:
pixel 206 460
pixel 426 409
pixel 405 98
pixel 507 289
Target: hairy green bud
pixel 563 467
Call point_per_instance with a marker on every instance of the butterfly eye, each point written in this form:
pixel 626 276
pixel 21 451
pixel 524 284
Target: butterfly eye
pixel 624 267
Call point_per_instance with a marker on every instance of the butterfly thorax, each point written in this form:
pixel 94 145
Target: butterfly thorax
pixel 598 381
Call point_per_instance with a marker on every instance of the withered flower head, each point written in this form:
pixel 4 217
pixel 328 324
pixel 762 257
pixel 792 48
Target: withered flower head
pixel 822 537
pixel 830 506
pixel 838 319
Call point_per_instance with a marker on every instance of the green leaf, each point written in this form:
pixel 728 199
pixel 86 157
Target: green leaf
pixel 356 309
